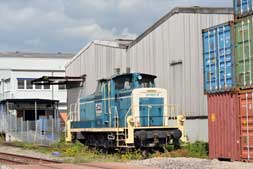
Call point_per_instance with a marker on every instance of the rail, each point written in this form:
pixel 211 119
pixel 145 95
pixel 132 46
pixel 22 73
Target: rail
pixel 7 158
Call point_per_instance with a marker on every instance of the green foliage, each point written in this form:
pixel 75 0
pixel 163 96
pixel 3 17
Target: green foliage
pixel 79 153
pixel 133 155
pixel 169 147
pixel 2 139
pixel 23 145
pixel 198 149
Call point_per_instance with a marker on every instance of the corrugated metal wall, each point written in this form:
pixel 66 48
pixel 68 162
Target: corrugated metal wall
pixel 173 52
pixel 97 62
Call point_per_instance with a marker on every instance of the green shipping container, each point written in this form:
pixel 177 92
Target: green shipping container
pixel 244 52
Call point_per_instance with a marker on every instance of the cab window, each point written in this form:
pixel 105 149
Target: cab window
pixel 146 82
pixel 123 83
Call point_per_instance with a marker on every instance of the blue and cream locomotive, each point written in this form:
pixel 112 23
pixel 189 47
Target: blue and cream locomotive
pixel 125 111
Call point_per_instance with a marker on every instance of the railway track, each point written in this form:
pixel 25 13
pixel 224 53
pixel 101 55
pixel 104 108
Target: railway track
pixel 25 162
pixel 13 159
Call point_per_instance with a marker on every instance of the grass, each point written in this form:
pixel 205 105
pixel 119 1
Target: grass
pixel 2 138
pixel 195 150
pixel 77 152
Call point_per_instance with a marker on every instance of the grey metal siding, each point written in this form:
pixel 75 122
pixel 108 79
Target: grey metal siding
pixel 178 39
pixel 97 62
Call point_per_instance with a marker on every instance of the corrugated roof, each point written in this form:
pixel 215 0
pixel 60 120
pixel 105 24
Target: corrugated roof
pixel 195 9
pixel 37 55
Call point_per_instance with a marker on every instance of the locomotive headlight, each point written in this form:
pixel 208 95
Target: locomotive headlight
pixel 139 77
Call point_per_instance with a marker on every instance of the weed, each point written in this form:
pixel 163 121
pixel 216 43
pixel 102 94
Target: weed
pixel 2 138
pixel 134 155
pixel 198 149
pixel 79 153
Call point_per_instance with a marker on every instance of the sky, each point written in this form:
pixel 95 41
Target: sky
pixel 68 25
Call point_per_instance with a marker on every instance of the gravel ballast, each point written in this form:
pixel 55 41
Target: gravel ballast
pixel 162 163
pixel 191 163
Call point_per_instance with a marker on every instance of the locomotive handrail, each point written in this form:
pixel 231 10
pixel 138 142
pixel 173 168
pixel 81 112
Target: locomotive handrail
pixel 126 116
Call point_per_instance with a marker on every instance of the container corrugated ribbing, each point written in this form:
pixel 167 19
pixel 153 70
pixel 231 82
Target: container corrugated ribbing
pixel 223 136
pixel 218 58
pixel 244 52
pixel 242 8
pixel 230 123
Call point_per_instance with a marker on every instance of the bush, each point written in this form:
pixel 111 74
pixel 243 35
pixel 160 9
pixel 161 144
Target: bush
pixel 133 155
pixel 2 138
pixel 198 149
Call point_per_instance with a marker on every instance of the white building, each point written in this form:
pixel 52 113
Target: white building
pixel 18 69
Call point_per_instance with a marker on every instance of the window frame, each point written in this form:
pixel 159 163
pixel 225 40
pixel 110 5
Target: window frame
pixel 29 84
pixel 46 88
pixel 24 84
pixel 61 89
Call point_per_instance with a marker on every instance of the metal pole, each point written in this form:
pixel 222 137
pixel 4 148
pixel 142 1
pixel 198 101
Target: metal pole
pixel 27 129
pixel 9 123
pixel 52 88
pixel 22 129
pixel 35 110
pixel 58 120
pixel 53 123
pixel 55 117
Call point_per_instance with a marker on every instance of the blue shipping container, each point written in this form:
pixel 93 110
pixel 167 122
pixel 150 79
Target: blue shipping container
pixel 242 8
pixel 218 59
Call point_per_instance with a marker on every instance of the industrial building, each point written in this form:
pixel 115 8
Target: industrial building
pixel 17 70
pixel 23 104
pixel 171 49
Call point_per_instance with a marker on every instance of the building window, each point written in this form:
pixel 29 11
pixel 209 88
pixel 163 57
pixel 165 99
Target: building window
pixel 21 84
pixel 38 86
pixel 46 86
pixel 62 87
pixel 29 84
